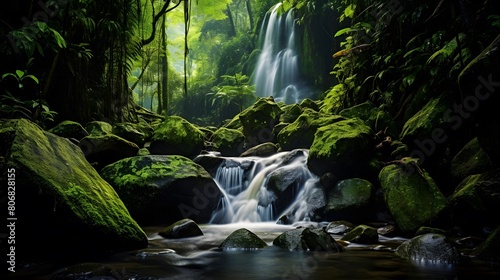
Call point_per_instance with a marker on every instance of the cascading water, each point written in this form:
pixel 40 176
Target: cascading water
pixel 267 189
pixel 277 70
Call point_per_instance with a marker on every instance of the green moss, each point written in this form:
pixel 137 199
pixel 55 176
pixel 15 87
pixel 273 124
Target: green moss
pixel 99 128
pixel 69 129
pixel 176 135
pixel 228 141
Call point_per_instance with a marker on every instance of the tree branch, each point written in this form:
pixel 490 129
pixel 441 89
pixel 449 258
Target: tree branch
pixel 157 17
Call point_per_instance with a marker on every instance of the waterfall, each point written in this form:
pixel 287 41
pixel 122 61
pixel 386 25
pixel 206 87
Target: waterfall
pixel 277 70
pixel 263 189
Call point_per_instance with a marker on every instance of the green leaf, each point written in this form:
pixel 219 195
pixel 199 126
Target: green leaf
pixel 20 73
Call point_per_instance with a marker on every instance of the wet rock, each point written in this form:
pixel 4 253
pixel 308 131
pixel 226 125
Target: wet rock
pixel 300 133
pixel 229 142
pixel 341 148
pixel 305 239
pixel 159 189
pixel 106 149
pixel 242 239
pixel 87 271
pixel 469 161
pixel 69 129
pixel 61 197
pixel 181 229
pixel 475 198
pixel 210 162
pixel 339 227
pixel 411 195
pixel 425 230
pixel 350 200
pixel 388 230
pixel 329 181
pixel 433 248
pixel 362 234
pixel 490 249
pixel 262 150
pixel 258 121
pixel 176 136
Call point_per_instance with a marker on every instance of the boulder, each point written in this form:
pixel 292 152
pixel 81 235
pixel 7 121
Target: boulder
pixel 98 128
pixel 300 133
pixel 261 150
pixel 130 132
pixel 341 148
pixel 258 121
pixel 162 189
pixel 177 136
pixel 106 149
pixel 309 103
pixel 242 239
pixel 290 113
pixel 339 227
pixel 475 199
pixel 362 234
pixel 430 248
pixel 229 142
pixel 181 229
pixel 305 239
pixel 350 200
pixel 69 129
pixel 411 195
pixel 60 198
pixel 88 271
pixel 490 249
pixel 469 161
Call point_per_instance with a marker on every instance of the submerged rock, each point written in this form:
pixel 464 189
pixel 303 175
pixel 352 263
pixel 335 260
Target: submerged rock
pixel 305 239
pixel 177 136
pixel 242 239
pixel 341 148
pixel 411 195
pixel 181 229
pixel 433 248
pixel 60 197
pixel 362 234
pixel 159 189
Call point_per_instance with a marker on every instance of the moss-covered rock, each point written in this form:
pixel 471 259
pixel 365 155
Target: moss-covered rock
pixel 130 132
pixel 177 136
pixel 431 248
pixel 362 234
pixel 98 128
pixel 490 249
pixel 426 230
pixel 69 129
pixel 258 121
pixel 476 198
pixel 160 189
pixel 411 195
pixel 470 160
pixel 300 133
pixel 341 148
pixel 309 103
pixel 242 239
pixel 305 239
pixel 261 150
pixel 181 229
pixel 106 149
pixel 229 142
pixel 61 198
pixel 374 117
pixel 350 200
pixel 290 113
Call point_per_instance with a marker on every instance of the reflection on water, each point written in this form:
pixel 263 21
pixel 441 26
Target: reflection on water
pixel 200 258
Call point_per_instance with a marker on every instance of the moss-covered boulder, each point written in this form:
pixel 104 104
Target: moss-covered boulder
pixel 69 129
pixel 469 161
pixel 350 200
pixel 162 189
pixel 60 198
pixel 476 198
pixel 130 132
pixel 229 142
pixel 300 133
pixel 290 113
pixel 341 148
pixel 411 195
pixel 242 239
pixel 430 248
pixel 177 136
pixel 106 149
pixel 181 229
pixel 490 249
pixel 306 239
pixel 261 150
pixel 258 121
pixel 309 103
pixel 362 234
pixel 98 128
pixel 374 117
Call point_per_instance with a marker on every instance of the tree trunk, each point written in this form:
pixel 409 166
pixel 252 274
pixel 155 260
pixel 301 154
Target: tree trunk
pixel 164 63
pixel 250 13
pixel 232 30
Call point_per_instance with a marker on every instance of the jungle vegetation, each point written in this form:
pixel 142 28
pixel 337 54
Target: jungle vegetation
pixel 114 60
